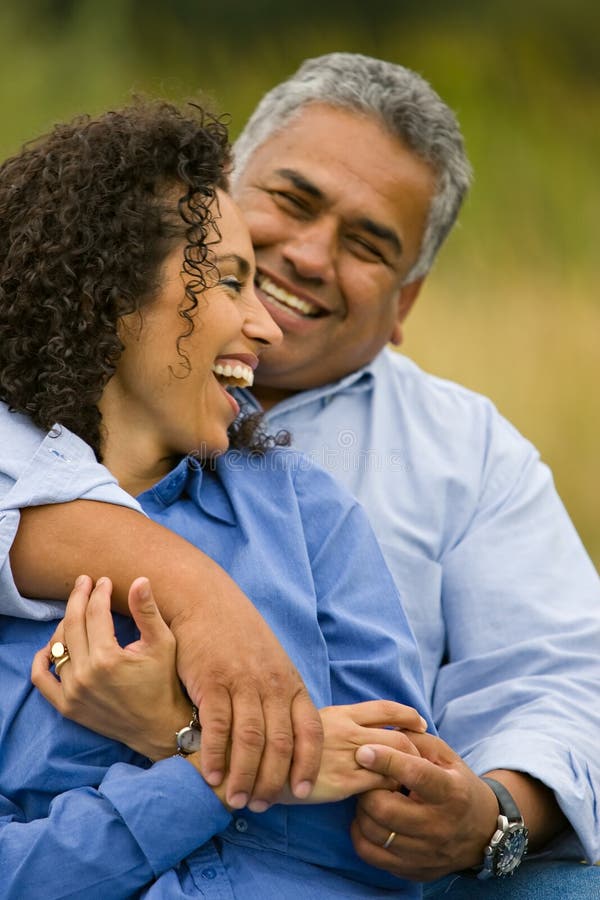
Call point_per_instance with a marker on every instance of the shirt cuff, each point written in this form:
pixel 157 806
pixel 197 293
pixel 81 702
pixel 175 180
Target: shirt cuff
pixel 560 770
pixel 172 792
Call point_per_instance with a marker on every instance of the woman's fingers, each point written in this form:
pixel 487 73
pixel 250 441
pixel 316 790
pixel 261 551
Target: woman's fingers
pixel 145 613
pixel 97 621
pixel 74 625
pixel 387 713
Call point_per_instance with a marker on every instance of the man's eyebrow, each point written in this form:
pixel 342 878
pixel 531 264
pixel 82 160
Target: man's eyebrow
pixel 301 183
pixel 381 231
pixel 243 266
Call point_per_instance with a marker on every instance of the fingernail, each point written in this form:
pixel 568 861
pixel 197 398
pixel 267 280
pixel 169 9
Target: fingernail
pixel 101 581
pixel 258 806
pixel 79 580
pixel 365 756
pixel 239 800
pixel 424 724
pixel 303 790
pixel 214 778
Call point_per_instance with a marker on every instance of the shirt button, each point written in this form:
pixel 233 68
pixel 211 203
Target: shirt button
pixel 241 825
pixel 209 873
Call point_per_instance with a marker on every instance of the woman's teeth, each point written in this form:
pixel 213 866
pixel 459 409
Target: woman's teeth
pixel 238 375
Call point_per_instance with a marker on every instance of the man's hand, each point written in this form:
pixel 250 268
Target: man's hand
pixel 442 825
pixel 253 696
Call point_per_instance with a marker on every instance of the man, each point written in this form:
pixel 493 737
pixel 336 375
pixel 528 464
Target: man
pixel 350 175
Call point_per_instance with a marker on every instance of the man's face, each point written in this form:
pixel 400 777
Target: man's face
pixel 336 208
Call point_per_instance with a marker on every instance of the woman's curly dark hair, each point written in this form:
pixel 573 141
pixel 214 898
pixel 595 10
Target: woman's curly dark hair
pixel 87 217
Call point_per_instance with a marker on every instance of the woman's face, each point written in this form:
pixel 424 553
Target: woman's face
pixel 161 407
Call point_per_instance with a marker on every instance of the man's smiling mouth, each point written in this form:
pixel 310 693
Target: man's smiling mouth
pixel 285 300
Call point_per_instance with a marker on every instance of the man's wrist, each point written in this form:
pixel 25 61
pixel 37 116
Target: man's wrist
pixel 507 846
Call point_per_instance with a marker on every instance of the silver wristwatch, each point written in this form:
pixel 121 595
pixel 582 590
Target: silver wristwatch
pixel 189 737
pixel 508 844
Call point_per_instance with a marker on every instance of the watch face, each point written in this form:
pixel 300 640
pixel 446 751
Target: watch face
pixel 189 739
pixel 510 851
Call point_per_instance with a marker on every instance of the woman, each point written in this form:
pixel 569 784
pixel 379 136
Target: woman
pixel 155 316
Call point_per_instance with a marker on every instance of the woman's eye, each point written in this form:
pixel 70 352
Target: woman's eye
pixel 233 283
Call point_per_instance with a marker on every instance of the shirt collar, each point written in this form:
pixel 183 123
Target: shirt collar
pixel 202 484
pixel 356 382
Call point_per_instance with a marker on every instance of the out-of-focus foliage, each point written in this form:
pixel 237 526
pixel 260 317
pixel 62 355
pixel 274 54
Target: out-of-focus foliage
pixel 513 307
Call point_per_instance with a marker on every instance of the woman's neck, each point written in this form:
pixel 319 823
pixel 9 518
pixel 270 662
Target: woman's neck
pixel 130 451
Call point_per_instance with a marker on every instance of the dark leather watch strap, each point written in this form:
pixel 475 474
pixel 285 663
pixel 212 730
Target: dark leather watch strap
pixel 507 805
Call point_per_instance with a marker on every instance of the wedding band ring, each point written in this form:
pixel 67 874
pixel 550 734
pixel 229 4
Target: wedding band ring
pixel 388 842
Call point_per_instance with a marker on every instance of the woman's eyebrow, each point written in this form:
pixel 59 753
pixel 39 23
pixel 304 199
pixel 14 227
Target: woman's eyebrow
pixel 243 266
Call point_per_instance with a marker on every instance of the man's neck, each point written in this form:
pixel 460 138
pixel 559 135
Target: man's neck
pixel 269 396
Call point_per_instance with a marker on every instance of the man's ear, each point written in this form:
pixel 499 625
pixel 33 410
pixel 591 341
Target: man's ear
pixel 406 297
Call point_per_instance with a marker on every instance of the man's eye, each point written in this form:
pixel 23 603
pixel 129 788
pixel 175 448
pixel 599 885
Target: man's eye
pixel 364 248
pixel 291 201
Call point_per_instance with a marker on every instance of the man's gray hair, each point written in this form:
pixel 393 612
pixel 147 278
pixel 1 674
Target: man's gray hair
pixel 403 102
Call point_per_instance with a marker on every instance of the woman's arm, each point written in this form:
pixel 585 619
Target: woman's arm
pixel 112 840
pixel 249 686
pixel 132 694
pixel 243 685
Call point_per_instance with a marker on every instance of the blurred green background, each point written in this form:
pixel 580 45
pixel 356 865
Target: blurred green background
pixel 512 308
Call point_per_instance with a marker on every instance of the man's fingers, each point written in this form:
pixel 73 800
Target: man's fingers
pixel 277 755
pixel 429 781
pixel 215 718
pixel 248 743
pixel 308 745
pixel 387 712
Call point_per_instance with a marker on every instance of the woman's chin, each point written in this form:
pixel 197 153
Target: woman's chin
pixel 210 449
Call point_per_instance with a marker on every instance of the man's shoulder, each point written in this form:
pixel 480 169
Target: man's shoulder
pixel 401 375
pixel 407 394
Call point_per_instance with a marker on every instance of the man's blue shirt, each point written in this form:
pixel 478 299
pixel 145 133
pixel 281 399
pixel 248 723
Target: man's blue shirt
pixel 501 595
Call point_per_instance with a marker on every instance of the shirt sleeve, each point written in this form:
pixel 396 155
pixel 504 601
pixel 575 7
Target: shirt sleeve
pixel 521 685
pixel 371 647
pixel 37 469
pixel 109 841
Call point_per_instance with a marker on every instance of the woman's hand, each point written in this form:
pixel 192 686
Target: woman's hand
pixel 347 728
pixel 131 694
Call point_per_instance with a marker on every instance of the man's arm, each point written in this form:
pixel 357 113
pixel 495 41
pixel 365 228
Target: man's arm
pixel 231 663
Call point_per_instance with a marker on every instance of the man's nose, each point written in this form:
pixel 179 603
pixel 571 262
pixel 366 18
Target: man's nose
pixel 311 250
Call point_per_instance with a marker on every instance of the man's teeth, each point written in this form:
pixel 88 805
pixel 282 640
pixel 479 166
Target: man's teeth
pixel 238 375
pixel 282 296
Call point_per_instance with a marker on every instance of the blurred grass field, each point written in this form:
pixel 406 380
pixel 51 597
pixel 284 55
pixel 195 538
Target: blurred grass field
pixel 512 308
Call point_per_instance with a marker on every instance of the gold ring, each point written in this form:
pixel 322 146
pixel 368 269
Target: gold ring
pixel 388 842
pixel 57 651
pixel 60 662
